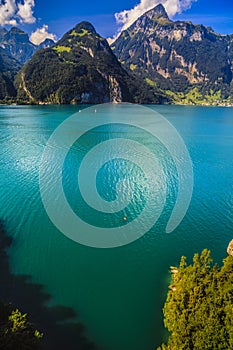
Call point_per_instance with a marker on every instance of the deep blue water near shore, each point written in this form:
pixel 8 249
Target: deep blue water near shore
pixel 118 294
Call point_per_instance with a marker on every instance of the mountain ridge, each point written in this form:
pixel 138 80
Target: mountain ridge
pixel 15 50
pixel 154 60
pixel 16 42
pixel 80 68
pixel 177 57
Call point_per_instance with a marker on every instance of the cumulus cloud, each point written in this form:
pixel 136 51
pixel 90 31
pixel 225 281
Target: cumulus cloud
pixel 25 11
pixel 128 17
pixel 13 12
pixel 7 11
pixel 41 34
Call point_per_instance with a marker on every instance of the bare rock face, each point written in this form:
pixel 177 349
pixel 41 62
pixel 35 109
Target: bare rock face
pixel 176 56
pixel 230 248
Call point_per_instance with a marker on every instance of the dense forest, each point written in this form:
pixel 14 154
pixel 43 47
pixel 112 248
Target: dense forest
pixel 198 311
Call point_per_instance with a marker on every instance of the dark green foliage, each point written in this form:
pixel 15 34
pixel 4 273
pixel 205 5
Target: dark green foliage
pixel 198 311
pixel 80 68
pixel 8 69
pixel 16 331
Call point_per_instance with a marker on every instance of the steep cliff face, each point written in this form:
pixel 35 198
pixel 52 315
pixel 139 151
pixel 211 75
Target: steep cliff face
pixel 176 56
pixel 80 68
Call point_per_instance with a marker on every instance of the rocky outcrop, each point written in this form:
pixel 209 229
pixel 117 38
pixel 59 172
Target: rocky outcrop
pixel 115 90
pixel 230 248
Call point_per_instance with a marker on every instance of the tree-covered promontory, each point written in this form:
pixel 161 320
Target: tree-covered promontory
pixel 199 308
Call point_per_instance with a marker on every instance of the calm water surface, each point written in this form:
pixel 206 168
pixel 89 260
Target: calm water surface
pixel 117 294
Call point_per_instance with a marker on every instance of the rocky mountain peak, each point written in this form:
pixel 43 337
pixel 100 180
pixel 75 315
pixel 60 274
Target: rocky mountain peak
pixel 16 43
pixel 157 12
pixel 17 34
pixel 46 43
pixel 16 30
pixel 80 68
pixel 148 22
pixel 177 56
pixel 3 32
pixel 85 26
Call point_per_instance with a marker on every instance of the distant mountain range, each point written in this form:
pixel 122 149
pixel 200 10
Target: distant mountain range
pixel 155 60
pixel 15 50
pixel 17 44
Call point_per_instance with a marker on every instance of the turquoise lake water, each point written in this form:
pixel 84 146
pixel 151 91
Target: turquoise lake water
pixel 117 294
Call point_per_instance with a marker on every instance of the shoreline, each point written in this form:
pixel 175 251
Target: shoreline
pixel 226 105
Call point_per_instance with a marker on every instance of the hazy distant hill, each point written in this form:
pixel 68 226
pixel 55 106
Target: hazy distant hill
pixel 17 44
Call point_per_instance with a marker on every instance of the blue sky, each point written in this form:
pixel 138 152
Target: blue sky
pixel 60 16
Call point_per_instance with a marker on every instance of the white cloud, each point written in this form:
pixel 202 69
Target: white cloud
pixel 25 11
pixel 41 34
pixel 7 11
pixel 128 17
pixel 13 12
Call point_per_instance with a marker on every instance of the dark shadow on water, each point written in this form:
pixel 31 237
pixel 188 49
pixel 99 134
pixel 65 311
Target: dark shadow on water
pixel 58 323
